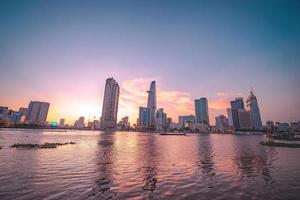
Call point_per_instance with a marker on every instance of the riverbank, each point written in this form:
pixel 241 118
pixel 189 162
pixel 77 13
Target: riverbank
pixel 279 144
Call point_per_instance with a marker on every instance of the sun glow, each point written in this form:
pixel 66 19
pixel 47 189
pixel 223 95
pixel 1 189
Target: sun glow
pixel 133 95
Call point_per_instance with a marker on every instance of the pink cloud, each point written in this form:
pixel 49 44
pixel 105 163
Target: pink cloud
pixel 134 94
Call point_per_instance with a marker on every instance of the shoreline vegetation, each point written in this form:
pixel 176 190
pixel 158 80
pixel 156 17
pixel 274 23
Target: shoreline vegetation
pixel 40 146
pixel 280 144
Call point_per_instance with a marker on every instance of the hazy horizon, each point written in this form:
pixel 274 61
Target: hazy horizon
pixel 63 51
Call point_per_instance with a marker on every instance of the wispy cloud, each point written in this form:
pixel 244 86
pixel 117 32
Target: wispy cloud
pixel 134 94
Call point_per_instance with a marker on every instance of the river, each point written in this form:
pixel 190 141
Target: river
pixel 132 165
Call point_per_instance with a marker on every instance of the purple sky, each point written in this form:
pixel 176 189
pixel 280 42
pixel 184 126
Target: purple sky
pixel 62 52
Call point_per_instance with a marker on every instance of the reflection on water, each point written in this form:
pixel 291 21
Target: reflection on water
pixel 105 165
pixel 148 168
pixel 206 157
pixel 105 161
pixel 254 162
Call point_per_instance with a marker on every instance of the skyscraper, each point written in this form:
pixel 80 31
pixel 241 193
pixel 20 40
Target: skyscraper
pixel 252 107
pixel 62 122
pixel 233 118
pixel 238 103
pixel 161 119
pixel 221 122
pixel 245 121
pixel 152 104
pixel 110 104
pixel 201 111
pixel 230 117
pixel 37 112
pixel 79 123
pixel 144 117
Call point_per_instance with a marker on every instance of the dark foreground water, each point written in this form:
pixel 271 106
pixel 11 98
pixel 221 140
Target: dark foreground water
pixel 146 166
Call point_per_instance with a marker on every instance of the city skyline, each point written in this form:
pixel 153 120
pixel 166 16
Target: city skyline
pixel 236 111
pixel 186 105
pixel 194 49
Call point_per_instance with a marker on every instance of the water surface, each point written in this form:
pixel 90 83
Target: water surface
pixel 121 165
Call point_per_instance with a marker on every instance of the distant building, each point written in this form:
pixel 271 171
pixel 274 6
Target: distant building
pixel 230 117
pixel 37 112
pixel 201 111
pixel 62 122
pixel 270 125
pixel 79 123
pixel 295 126
pixel 96 124
pixel 161 119
pixel 200 127
pixel 151 104
pixel 124 123
pixel 245 121
pixel 184 120
pixel 53 123
pixel 110 104
pixel 221 122
pixel 144 117
pixel 238 103
pixel 169 121
pixel 17 117
pixel 3 110
pixel 174 125
pixel 233 118
pixel 23 111
pixel 282 127
pixel 10 117
pixel 252 107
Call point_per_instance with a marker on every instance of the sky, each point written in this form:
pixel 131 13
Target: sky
pixel 63 51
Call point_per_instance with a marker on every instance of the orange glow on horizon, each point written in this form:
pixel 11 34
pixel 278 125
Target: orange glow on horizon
pixel 72 105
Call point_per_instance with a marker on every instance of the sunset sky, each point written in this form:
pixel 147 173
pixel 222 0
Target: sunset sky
pixel 63 51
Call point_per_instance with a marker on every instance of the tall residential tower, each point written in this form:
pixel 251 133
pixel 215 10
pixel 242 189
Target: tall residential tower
pixel 201 111
pixel 252 107
pixel 110 104
pixel 152 104
pixel 233 117
pixel 37 112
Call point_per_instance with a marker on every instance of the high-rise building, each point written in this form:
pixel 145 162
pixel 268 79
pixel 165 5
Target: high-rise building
pixel 110 104
pixel 233 118
pixel 230 117
pixel 23 111
pixel 169 122
pixel 252 107
pixel 62 122
pixel 3 111
pixel 221 122
pixel 151 104
pixel 79 123
pixel 161 119
pixel 37 112
pixel 144 117
pixel 184 120
pixel 124 123
pixel 201 111
pixel 270 125
pixel 238 103
pixel 245 122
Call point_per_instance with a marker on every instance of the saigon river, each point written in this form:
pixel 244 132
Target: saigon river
pixel 131 165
